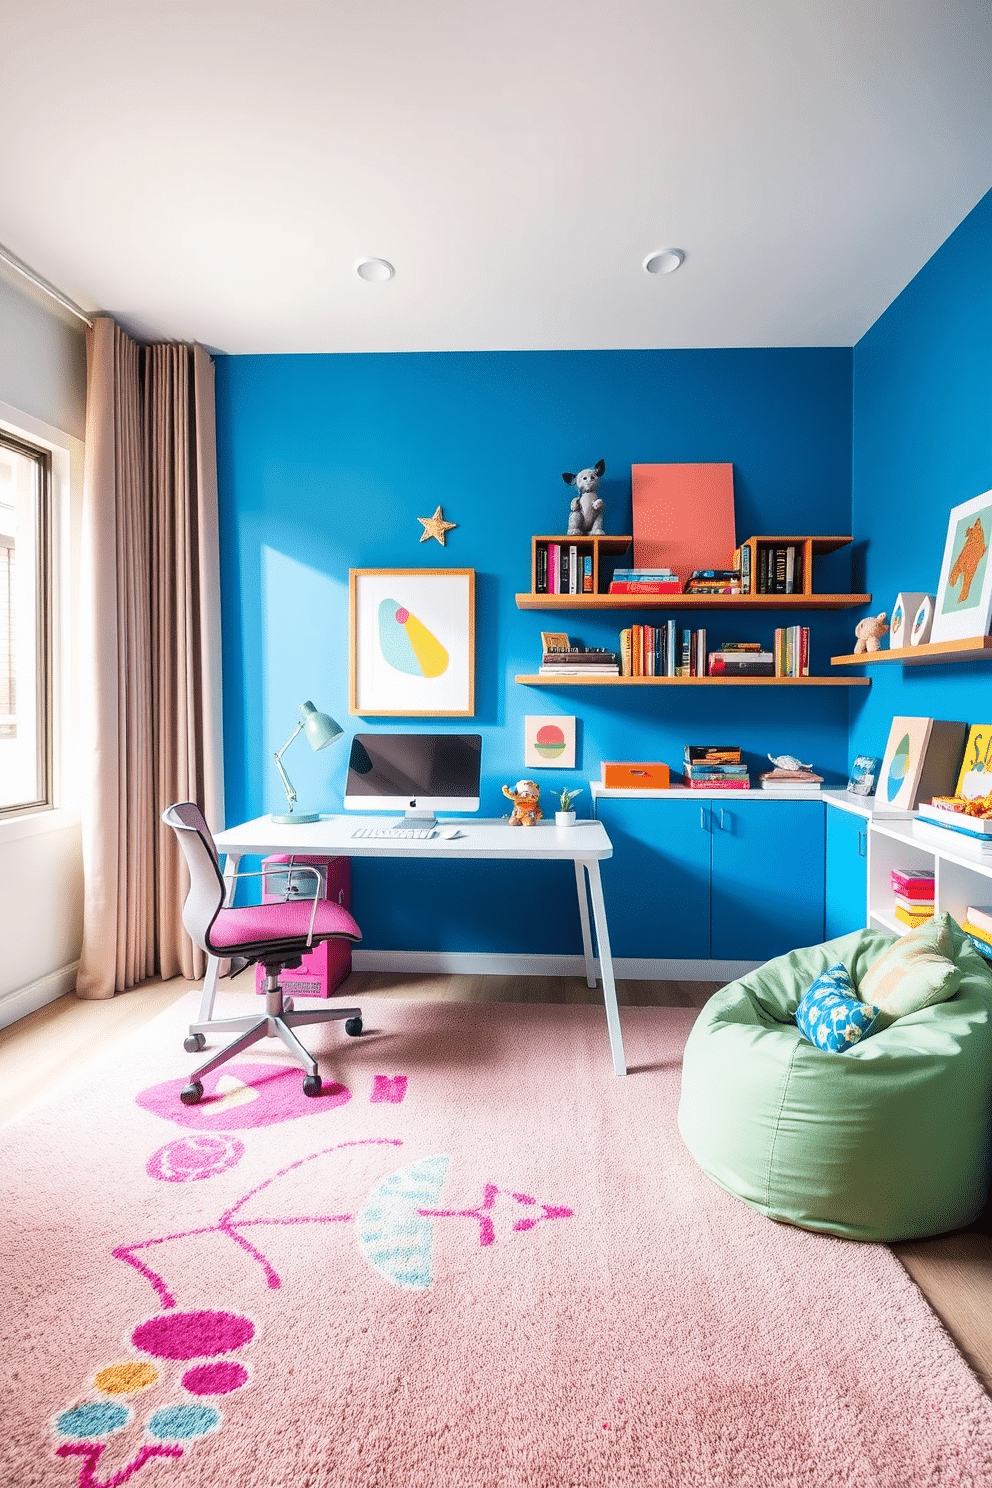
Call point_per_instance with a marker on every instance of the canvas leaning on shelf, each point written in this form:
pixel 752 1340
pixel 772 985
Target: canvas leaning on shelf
pixel 921 760
pixel 964 594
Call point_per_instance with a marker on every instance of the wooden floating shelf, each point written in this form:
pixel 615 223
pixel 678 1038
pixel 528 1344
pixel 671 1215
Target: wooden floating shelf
pixel 573 681
pixel 975 648
pixel 698 602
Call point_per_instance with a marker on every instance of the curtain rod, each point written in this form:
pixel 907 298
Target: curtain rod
pixel 28 273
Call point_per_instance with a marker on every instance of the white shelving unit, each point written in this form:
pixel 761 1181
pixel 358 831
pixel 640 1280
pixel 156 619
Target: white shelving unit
pixel 958 880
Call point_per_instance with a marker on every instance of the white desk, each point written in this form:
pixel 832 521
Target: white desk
pixel 584 844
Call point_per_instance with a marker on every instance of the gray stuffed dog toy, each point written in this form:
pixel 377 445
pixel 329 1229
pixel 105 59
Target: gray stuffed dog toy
pixel 585 517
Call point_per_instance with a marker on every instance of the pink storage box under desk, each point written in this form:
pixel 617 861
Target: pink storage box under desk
pixel 325 967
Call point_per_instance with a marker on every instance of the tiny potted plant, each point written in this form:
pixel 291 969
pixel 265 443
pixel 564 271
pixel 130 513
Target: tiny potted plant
pixel 565 815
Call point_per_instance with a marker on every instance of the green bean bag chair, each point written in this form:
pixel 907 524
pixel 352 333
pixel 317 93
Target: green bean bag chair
pixel 890 1139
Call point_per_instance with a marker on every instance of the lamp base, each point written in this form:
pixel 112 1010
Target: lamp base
pixel 294 818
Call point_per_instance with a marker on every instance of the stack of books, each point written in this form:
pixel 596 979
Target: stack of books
pixel 792 651
pixel 714 581
pixel 954 829
pixel 791 782
pixel 579 661
pixel 978 927
pixel 741 659
pixel 645 581
pixel 715 767
pixel 913 890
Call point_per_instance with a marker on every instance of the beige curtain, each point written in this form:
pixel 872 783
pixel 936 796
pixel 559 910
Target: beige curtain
pixel 150 643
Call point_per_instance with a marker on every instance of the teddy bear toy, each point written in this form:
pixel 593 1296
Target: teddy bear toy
pixel 869 633
pixel 525 796
pixel 585 516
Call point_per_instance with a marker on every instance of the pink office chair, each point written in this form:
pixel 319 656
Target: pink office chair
pixel 278 935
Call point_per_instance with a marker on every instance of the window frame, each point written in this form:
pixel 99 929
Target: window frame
pixel 45 617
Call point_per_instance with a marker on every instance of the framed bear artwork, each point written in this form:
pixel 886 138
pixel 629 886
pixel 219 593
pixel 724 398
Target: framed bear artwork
pixel 964 594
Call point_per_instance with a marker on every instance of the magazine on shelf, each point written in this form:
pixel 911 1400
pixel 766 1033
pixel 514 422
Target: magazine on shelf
pixel 964 844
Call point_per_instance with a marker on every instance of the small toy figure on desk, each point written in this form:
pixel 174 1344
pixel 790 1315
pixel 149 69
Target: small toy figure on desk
pixel 585 517
pixel 526 796
pixel 869 633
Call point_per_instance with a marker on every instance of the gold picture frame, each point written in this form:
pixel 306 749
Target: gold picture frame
pixel 411 642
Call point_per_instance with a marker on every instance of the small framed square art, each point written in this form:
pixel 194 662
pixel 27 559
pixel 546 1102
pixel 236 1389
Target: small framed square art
pixel 964 594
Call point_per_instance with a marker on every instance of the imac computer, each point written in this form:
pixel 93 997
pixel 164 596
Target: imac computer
pixel 417 774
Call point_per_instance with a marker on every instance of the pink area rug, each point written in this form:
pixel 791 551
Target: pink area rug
pixel 480 1260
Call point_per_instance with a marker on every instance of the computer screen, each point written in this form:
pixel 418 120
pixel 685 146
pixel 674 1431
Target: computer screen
pixel 417 774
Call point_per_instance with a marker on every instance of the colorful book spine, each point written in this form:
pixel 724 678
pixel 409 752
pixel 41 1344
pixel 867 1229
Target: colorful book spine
pixel 912 882
pixel 648 586
pixel 983 947
pixel 587 574
pixel 912 920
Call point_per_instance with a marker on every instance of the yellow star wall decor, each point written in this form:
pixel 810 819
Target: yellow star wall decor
pixel 435 526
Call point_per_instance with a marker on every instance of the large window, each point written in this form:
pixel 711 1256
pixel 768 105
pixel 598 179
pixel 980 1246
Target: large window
pixel 25 627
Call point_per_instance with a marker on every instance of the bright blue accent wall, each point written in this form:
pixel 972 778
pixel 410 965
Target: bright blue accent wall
pixel 325 463
pixel 922 440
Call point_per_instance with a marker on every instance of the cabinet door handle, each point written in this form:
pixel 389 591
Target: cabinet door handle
pixel 862 844
pixel 702 819
pixel 723 824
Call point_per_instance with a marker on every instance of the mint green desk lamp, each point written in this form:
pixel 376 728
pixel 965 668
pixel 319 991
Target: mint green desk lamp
pixel 319 730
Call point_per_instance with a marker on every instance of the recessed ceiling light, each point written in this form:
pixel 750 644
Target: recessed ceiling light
pixel 374 270
pixel 665 261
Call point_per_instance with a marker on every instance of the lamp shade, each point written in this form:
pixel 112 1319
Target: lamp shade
pixel 319 728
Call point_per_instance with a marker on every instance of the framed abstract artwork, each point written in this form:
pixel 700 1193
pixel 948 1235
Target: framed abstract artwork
pixel 412 642
pixel 975 775
pixel 922 759
pixel 549 742
pixel 963 606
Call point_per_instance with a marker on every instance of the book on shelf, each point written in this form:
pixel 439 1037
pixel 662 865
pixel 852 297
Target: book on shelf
pixel 555 640
pixel 915 883
pixel 742 783
pixel 645 586
pixel 726 754
pixel 699 769
pixel 626 646
pixel 962 843
pixel 977 932
pixel 779 568
pixel 739 664
pixel 786 781
pixel 644 573
pixel 957 821
pixel 912 920
pixel 702 588
pixel 915 906
pixel 980 916
pixel 792 651
pixel 587 574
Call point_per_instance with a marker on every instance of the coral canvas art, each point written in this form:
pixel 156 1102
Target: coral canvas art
pixel 549 742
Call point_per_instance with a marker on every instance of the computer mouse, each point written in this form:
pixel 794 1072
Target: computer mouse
pixel 450 832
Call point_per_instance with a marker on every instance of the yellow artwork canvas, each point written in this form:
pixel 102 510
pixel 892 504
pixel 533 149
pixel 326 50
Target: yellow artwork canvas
pixel 975 777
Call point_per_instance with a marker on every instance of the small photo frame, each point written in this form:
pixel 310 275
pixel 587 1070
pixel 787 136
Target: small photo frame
pixel 549 742
pixel 963 606
pixel 864 773
pixel 412 642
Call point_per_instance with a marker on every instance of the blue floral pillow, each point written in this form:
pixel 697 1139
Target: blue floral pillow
pixel 832 1016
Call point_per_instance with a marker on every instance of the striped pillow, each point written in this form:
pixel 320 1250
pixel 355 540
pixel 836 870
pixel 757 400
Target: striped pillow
pixel 916 971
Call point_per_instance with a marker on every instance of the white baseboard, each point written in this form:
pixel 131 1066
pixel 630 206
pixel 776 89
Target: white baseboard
pixel 36 994
pixel 486 963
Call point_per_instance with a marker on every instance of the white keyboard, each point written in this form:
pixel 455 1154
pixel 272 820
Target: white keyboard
pixel 393 832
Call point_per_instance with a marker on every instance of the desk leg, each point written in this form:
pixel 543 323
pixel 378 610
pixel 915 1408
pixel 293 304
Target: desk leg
pixel 587 951
pixel 606 966
pixel 213 962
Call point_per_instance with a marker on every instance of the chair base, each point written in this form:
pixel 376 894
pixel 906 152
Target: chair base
pixel 278 1022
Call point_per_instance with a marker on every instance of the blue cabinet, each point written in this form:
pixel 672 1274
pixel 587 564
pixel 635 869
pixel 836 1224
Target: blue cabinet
pixel 767 878
pixel 700 879
pixel 657 883
pixel 847 872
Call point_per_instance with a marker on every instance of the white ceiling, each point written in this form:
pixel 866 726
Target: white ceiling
pixel 213 170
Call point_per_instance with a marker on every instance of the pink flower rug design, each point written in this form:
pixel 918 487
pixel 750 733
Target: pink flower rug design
pixel 479 1260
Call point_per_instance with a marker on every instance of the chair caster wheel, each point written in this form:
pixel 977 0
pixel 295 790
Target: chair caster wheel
pixel 191 1093
pixel 353 1027
pixel 194 1043
pixel 311 1085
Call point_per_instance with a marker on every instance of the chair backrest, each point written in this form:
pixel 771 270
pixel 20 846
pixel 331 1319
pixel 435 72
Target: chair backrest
pixel 207 890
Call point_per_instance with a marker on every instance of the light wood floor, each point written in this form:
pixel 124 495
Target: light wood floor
pixel 954 1271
